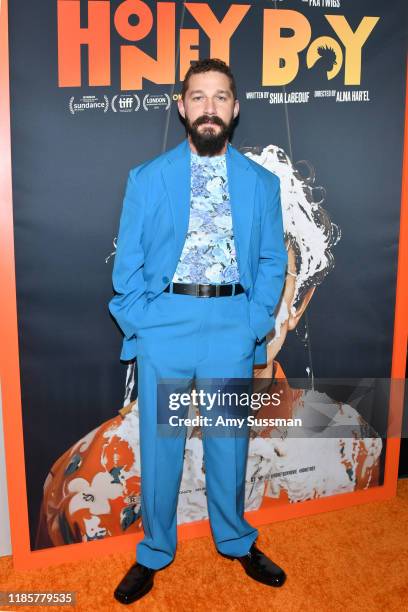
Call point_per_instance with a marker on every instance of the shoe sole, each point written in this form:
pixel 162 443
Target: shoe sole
pixel 135 598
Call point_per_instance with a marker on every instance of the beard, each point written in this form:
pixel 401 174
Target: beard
pixel 209 142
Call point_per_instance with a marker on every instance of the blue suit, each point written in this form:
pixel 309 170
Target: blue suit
pixel 184 338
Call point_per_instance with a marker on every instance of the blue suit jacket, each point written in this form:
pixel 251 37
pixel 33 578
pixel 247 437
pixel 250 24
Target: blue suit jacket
pixel 153 228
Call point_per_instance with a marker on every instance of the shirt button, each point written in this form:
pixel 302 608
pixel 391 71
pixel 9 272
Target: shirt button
pixel 165 279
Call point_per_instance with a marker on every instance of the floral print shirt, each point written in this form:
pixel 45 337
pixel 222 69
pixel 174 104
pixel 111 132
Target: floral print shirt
pixel 208 255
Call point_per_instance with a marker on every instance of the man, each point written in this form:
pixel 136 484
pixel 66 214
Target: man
pixel 200 221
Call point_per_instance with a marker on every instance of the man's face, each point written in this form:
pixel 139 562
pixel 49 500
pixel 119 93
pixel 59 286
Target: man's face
pixel 209 110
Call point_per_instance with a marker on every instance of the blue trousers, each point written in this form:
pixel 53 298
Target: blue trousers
pixel 192 339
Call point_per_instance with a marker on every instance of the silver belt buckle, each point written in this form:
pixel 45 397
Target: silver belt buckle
pixel 207 290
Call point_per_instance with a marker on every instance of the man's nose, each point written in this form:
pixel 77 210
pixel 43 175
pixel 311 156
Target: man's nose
pixel 209 107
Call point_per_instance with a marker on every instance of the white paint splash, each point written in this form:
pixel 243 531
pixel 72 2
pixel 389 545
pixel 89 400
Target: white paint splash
pixel 306 223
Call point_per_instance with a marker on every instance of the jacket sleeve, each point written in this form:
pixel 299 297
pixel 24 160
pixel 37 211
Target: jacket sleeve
pixel 273 261
pixel 128 304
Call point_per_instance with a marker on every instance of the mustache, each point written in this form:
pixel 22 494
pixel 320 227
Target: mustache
pixel 208 119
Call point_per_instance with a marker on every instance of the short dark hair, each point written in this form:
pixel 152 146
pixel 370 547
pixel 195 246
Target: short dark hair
pixel 205 65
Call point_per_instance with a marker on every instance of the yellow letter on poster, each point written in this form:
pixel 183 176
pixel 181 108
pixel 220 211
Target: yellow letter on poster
pixel 353 41
pixel 219 32
pixel 277 47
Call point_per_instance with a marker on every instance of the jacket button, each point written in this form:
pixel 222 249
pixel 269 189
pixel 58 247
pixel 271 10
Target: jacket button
pixel 165 279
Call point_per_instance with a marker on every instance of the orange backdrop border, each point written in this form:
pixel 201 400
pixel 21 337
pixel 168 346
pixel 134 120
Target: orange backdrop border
pixel 23 557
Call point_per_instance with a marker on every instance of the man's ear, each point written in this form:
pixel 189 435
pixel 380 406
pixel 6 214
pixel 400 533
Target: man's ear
pixel 180 105
pixel 236 109
pixel 295 318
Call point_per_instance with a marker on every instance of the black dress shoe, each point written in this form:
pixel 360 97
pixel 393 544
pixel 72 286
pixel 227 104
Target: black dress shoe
pixel 260 568
pixel 136 582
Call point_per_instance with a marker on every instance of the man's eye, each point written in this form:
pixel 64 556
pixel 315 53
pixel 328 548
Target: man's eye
pixel 196 98
pixel 222 98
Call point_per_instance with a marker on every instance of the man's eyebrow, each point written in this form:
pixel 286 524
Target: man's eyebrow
pixel 224 91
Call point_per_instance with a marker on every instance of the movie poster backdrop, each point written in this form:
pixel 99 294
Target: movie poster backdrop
pixel 93 93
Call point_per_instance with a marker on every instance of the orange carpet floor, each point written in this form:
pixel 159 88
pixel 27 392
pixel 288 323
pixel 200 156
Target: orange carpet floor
pixel 354 559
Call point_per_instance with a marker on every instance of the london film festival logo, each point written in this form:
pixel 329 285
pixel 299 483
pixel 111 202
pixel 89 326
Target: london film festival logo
pixel 133 20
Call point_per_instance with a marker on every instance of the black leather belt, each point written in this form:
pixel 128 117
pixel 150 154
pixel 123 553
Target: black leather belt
pixel 206 290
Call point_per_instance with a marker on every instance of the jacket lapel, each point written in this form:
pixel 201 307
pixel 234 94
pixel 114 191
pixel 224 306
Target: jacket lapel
pixel 241 182
pixel 176 176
